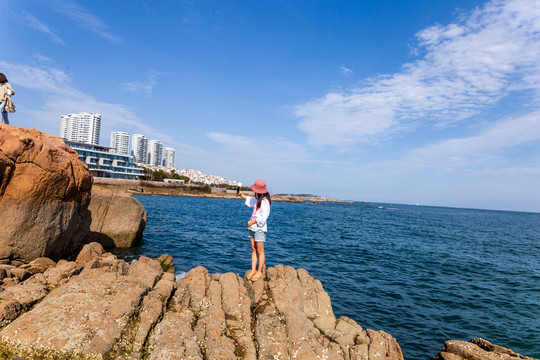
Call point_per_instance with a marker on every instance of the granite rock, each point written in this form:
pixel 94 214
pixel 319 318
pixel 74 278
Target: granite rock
pixel 476 349
pixel 44 192
pixel 118 220
pixel 102 306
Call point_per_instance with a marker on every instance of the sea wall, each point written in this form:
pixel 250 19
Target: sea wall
pixel 149 187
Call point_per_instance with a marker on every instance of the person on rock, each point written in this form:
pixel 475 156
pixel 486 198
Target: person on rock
pixel 5 90
pixel 257 226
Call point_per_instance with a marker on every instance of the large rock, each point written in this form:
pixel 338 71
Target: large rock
pixel 117 220
pixel 44 195
pixel 121 311
pixel 477 349
pixel 96 312
pixel 286 315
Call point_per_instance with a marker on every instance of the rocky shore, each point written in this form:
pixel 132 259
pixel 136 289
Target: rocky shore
pixel 64 297
pixel 100 307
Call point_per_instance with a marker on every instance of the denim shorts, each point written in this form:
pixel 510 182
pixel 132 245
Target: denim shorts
pixel 259 235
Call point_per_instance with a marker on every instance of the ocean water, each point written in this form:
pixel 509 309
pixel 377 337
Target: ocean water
pixel 423 274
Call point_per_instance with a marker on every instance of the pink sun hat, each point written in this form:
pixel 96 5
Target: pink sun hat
pixel 259 187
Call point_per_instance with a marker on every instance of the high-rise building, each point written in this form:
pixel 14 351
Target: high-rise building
pixel 83 127
pixel 120 142
pixel 169 156
pixel 139 148
pixel 155 149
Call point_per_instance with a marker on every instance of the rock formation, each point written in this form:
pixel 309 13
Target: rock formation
pixel 476 349
pixel 44 194
pixel 102 307
pixel 118 220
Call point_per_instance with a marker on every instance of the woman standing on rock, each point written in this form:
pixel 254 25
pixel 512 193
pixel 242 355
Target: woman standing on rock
pixel 257 226
pixel 5 91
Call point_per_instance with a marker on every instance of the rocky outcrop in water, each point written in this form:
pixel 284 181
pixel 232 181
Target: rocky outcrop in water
pixel 44 194
pixel 117 220
pixel 102 306
pixel 476 349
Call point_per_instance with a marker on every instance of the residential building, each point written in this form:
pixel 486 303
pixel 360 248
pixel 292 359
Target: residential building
pixel 103 163
pixel 155 150
pixel 169 157
pixel 139 148
pixel 120 142
pixel 174 181
pixel 83 127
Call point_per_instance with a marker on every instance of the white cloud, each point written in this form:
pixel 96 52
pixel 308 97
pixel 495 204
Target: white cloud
pixel 345 70
pixel 83 18
pixel 145 87
pixel 340 119
pixel 284 164
pixel 483 150
pixel 466 68
pixel 61 97
pixel 42 58
pixel 34 23
pixel 260 149
pixel 494 168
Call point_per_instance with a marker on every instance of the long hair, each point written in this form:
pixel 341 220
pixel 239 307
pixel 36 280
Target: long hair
pixel 3 78
pixel 260 198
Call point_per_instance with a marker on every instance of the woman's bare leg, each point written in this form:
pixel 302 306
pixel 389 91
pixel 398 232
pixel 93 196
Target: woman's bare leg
pixel 253 255
pixel 260 252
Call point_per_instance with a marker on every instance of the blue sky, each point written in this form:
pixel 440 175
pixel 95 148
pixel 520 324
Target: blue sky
pixel 429 102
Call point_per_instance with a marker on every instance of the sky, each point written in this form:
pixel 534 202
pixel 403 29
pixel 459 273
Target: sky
pixel 405 102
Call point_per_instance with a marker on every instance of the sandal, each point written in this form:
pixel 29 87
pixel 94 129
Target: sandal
pixel 250 274
pixel 256 277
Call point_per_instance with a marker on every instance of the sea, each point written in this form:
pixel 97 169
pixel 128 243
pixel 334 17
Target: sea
pixel 423 274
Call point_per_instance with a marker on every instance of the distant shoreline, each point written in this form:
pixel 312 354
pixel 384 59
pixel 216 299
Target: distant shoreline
pixel 275 198
pixel 167 189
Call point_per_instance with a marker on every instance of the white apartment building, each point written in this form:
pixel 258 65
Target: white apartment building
pixel 103 163
pixel 169 157
pixel 155 150
pixel 139 148
pixel 120 142
pixel 83 127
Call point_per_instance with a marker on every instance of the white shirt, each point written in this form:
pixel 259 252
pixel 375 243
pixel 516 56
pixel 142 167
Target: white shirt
pixel 261 215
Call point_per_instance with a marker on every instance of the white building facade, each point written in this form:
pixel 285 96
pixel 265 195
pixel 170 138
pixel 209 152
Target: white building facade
pixel 169 157
pixel 139 148
pixel 155 150
pixel 103 163
pixel 83 127
pixel 120 142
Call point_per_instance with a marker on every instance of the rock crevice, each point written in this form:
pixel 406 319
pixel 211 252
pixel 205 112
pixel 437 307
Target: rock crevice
pixel 99 305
